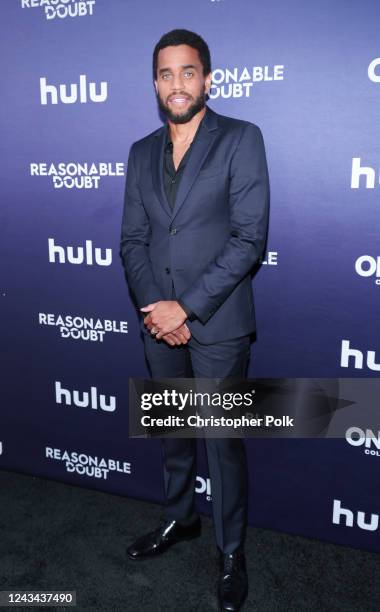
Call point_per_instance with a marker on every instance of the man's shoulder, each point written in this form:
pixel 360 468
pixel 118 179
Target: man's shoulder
pixel 233 124
pixel 235 129
pixel 141 144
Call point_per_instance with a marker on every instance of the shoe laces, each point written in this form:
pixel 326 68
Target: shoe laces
pixel 231 563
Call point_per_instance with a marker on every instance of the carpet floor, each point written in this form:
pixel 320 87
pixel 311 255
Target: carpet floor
pixel 62 537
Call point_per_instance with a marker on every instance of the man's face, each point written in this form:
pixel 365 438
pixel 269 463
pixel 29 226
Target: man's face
pixel 181 87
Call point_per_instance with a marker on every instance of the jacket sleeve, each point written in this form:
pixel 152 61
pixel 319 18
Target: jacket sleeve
pixel 134 242
pixel 249 211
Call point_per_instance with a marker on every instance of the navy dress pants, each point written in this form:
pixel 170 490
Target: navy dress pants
pixel 227 461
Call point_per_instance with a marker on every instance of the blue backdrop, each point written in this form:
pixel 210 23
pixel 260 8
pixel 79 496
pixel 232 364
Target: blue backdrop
pixel 76 92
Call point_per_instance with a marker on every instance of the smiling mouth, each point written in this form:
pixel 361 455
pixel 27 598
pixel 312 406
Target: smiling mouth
pixel 178 99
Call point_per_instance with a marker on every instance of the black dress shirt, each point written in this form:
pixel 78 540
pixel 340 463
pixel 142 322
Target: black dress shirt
pixel 172 179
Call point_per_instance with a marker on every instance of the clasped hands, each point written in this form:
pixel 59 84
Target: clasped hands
pixel 166 320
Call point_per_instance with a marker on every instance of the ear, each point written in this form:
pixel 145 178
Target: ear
pixel 155 86
pixel 208 82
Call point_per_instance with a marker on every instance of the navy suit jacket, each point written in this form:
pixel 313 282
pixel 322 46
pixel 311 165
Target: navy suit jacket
pixel 207 245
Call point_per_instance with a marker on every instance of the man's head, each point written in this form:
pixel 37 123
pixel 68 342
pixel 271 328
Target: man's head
pixel 182 74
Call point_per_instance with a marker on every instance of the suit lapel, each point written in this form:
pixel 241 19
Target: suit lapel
pixel 199 152
pixel 157 161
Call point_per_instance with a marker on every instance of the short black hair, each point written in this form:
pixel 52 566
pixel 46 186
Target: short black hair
pixel 183 37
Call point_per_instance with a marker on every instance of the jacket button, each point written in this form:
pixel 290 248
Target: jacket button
pixel 173 231
pixel 167 270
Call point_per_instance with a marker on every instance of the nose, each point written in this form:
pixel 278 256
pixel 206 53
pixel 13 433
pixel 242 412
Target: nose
pixel 177 82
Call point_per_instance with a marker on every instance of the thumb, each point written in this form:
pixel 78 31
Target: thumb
pixel 148 308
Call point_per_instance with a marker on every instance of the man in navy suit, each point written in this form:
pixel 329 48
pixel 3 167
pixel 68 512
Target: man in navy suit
pixel 194 225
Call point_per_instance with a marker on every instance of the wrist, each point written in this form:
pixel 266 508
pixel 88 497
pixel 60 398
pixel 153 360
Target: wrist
pixel 182 311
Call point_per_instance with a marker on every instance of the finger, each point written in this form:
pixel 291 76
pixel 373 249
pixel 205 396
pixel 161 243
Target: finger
pixel 161 333
pixel 149 307
pixel 181 337
pixel 186 333
pixel 170 338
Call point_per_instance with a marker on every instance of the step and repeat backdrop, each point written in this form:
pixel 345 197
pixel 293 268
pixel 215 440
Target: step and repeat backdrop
pixel 76 92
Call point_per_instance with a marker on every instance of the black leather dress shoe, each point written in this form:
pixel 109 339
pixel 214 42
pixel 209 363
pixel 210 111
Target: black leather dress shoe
pixel 168 533
pixel 233 581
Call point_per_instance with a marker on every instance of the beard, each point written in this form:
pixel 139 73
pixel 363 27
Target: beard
pixel 198 103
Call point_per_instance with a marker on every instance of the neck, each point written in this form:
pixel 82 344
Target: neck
pixel 185 132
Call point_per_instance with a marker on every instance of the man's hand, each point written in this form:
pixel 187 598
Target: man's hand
pixel 164 317
pixel 179 336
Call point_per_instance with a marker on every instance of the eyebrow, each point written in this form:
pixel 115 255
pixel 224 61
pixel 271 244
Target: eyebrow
pixel 169 69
